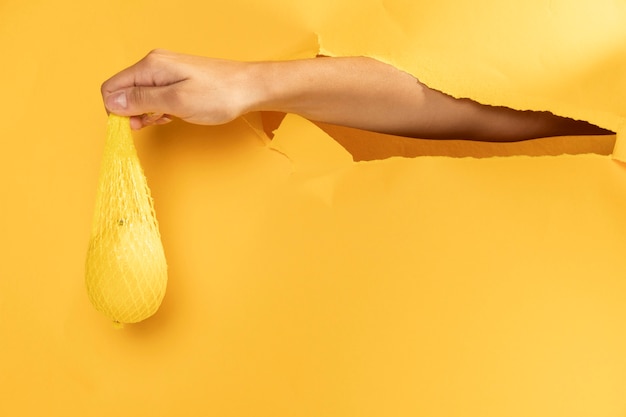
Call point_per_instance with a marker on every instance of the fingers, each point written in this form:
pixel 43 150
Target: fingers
pixel 137 104
pixel 138 122
pixel 144 73
pixel 134 101
pixel 131 101
pixel 195 89
pixel 145 90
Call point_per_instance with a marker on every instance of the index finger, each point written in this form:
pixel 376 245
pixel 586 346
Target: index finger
pixel 129 77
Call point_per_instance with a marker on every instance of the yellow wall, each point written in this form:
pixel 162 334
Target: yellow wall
pixel 301 282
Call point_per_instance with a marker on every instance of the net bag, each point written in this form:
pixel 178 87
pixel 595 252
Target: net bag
pixel 126 271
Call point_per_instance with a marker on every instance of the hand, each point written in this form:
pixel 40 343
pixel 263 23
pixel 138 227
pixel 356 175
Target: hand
pixel 164 84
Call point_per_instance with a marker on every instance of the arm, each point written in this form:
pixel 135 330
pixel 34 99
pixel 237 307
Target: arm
pixel 353 91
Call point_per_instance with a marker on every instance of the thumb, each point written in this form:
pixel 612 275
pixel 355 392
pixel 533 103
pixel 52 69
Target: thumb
pixel 134 101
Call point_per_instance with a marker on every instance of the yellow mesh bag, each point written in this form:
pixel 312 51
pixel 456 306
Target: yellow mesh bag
pixel 126 272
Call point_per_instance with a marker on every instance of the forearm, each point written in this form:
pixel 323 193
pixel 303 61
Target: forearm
pixel 353 91
pixel 367 94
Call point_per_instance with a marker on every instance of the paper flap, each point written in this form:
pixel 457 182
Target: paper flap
pixel 311 151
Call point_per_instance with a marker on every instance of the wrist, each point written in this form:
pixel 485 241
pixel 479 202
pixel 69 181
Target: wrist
pixel 277 86
pixel 256 84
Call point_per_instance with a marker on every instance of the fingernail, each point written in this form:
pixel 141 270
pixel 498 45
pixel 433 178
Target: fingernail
pixel 117 101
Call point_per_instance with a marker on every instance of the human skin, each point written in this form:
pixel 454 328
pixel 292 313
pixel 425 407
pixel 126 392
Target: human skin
pixel 357 92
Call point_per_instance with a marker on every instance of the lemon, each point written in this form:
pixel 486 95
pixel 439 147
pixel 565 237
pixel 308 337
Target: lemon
pixel 126 272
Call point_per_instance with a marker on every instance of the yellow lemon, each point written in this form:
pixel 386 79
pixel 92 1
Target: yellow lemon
pixel 126 272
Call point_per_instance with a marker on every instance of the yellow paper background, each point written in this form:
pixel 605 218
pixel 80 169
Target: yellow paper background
pixel 301 282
